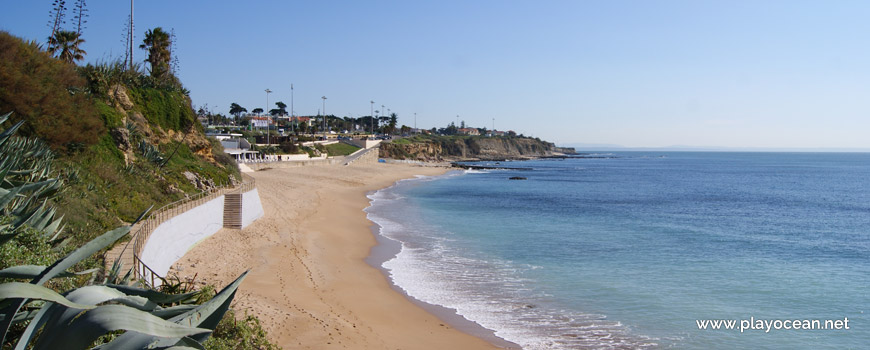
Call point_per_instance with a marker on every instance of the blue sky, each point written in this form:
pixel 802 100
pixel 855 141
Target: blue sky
pixel 777 74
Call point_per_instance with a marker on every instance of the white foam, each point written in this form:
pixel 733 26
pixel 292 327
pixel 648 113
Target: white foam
pixel 433 268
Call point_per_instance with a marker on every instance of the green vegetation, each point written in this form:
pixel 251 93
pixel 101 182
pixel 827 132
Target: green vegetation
pixel 157 42
pixel 167 109
pixel 48 93
pixel 53 205
pixel 340 149
pixel 233 334
pixel 66 44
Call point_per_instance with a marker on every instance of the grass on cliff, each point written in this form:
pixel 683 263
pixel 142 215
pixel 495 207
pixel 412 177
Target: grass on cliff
pixel 340 149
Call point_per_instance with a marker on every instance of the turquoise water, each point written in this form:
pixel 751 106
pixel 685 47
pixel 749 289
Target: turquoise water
pixel 630 249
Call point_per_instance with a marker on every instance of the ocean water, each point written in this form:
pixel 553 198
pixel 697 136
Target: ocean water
pixel 629 250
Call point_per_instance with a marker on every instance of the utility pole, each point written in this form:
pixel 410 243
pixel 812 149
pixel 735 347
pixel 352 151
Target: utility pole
pixel 268 119
pixel 295 122
pixel 372 116
pixel 415 123
pixel 324 117
pixel 130 36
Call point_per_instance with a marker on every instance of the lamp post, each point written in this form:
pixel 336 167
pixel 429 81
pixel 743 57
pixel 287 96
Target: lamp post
pixel 267 123
pixel 415 123
pixel 324 116
pixel 292 112
pixel 372 116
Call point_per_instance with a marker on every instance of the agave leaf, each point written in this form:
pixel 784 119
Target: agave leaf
pixel 41 221
pixel 153 295
pixel 38 185
pixel 57 268
pixel 54 314
pixel 209 314
pixel 22 316
pixel 206 315
pixel 172 311
pixel 91 324
pixel 187 343
pixel 9 196
pixel 52 228
pixel 28 271
pixel 10 292
pixel 4 136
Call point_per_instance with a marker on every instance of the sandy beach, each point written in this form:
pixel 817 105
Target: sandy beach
pixel 309 282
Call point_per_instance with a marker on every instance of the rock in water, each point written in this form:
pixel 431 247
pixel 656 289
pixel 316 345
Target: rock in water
pixel 517 178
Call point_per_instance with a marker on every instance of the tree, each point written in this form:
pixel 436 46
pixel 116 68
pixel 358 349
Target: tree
pixel 157 43
pixel 257 110
pixel 282 108
pixel 237 110
pixel 393 121
pixel 65 45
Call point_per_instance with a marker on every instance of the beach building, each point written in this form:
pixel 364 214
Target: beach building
pixel 469 131
pixel 238 147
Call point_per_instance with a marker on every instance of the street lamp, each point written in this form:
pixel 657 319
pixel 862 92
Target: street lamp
pixel 324 116
pixel 267 123
pixel 372 116
pixel 415 123
pixel 292 111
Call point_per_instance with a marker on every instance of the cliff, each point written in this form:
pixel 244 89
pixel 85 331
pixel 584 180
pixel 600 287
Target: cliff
pixel 455 148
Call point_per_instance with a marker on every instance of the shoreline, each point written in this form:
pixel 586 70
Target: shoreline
pixel 387 248
pixel 310 284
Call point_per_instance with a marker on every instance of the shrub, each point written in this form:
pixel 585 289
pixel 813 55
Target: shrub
pixel 46 92
pixel 289 147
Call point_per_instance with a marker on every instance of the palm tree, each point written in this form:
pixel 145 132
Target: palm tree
pixel 237 110
pixel 157 42
pixel 67 46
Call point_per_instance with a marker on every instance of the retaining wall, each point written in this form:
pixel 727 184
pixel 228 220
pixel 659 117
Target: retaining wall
pixel 251 207
pixel 175 236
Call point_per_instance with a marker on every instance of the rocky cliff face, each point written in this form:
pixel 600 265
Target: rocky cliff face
pixel 469 148
pixel 154 134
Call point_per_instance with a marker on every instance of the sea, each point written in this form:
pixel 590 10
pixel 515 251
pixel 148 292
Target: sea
pixel 638 250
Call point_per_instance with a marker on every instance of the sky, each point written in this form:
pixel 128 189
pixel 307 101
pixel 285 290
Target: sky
pixel 747 74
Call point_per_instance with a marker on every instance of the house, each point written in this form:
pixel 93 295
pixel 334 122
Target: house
pixel 469 131
pixel 301 120
pixel 262 122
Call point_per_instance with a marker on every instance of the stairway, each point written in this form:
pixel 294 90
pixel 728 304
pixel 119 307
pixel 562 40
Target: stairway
pixel 119 251
pixel 233 211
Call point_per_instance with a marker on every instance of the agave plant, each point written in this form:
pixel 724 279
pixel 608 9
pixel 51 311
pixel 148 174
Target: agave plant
pixel 76 318
pixel 26 185
pixel 150 152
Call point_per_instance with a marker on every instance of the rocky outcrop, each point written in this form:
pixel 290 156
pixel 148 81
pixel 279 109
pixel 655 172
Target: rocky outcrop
pixel 154 134
pixel 469 148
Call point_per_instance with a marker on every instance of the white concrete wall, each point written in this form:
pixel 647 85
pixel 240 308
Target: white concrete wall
pixel 251 207
pixel 365 143
pixel 173 238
